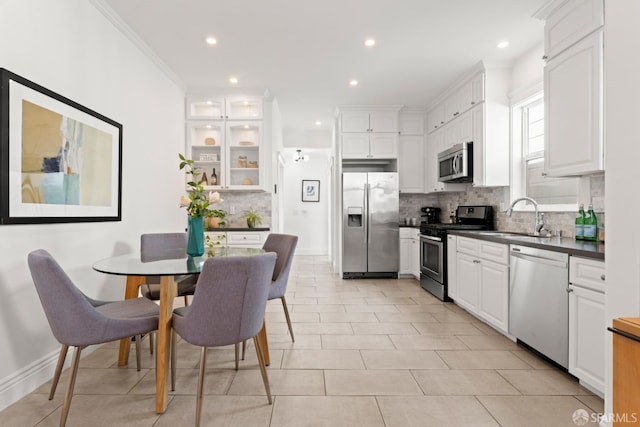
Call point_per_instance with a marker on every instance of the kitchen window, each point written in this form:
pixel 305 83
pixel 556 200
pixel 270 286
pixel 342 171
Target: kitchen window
pixel 551 193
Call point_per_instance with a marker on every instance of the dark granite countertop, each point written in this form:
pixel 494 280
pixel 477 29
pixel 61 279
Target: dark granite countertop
pixel 223 229
pixel 403 225
pixel 571 246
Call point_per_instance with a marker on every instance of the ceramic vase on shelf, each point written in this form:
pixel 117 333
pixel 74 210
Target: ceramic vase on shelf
pixel 195 236
pixel 214 222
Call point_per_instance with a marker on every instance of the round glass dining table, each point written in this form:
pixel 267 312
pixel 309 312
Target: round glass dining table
pixel 137 268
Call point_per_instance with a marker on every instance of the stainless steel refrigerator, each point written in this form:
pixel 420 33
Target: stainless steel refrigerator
pixel 370 240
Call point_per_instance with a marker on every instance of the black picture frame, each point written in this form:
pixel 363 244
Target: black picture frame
pixel 59 161
pixel 310 190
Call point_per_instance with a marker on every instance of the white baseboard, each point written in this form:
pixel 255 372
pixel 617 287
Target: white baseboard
pixel 311 251
pixel 22 382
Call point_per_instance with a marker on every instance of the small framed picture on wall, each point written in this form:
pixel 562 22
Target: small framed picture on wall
pixel 310 190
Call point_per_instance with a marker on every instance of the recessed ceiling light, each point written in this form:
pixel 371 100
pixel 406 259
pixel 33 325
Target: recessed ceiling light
pixel 211 41
pixel 503 44
pixel 233 80
pixel 209 102
pixel 369 42
pixel 318 123
pixel 353 82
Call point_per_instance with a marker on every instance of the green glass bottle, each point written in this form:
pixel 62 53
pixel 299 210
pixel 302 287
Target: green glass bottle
pixel 590 226
pixel 580 223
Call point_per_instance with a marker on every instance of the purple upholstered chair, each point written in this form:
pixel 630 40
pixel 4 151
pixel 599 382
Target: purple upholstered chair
pixel 228 307
pixel 77 320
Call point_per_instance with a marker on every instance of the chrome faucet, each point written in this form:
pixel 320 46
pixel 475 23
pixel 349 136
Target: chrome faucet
pixel 539 220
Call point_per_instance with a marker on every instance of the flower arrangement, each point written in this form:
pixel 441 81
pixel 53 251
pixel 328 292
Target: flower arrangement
pixel 199 201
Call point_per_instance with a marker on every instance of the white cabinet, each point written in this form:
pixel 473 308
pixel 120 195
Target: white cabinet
pixel 369 134
pixel 234 108
pixel 477 110
pixel 411 148
pixel 435 144
pixel 411 163
pixel 410 252
pixel 571 22
pixel 587 325
pixel 369 121
pixel 245 239
pixel 574 134
pixel 227 147
pixel 483 280
pixel 452 261
pixel 229 150
pixel 573 87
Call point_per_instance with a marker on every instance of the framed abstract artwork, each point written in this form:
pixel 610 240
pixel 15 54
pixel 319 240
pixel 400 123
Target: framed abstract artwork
pixel 310 190
pixel 59 161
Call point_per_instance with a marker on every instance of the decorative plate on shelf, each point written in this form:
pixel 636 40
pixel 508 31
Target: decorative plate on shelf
pixel 247 181
pixel 209 141
pixel 245 143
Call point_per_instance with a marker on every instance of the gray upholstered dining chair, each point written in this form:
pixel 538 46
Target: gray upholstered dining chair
pixel 78 321
pixel 284 245
pixel 227 308
pixel 158 246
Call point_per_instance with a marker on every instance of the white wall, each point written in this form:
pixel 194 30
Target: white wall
pixel 622 91
pixel 69 47
pixel 307 220
pixel 527 70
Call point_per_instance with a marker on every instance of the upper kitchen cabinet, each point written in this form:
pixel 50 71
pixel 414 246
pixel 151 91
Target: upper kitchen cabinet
pixel 227 148
pixel 411 146
pixel 567 22
pixel 369 133
pixel 475 110
pixel 573 86
pixel 231 108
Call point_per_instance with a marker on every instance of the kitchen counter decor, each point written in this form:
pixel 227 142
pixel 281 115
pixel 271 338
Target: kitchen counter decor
pixel 198 204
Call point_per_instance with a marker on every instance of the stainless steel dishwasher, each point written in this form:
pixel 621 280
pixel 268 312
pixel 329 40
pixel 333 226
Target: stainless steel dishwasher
pixel 539 301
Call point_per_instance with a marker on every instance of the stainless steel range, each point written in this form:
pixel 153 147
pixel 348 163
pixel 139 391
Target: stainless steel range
pixel 433 246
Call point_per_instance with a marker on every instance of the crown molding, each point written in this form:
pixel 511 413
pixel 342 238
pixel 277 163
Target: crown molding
pixel 128 32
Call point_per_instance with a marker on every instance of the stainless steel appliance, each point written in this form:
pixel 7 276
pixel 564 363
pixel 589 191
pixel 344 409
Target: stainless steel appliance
pixel 539 301
pixel 433 246
pixel 370 235
pixel 456 163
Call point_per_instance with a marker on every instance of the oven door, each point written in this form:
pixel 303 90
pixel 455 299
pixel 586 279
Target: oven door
pixel 432 257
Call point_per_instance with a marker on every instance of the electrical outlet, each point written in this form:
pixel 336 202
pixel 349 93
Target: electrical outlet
pixel 232 210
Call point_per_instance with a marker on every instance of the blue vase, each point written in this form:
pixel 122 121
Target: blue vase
pixel 195 236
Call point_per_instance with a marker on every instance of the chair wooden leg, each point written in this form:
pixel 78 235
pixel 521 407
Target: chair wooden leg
pixel 151 335
pixel 174 359
pixel 56 375
pixel 244 348
pixel 203 363
pixel 138 351
pixel 263 369
pixel 237 348
pixel 72 383
pixel 286 314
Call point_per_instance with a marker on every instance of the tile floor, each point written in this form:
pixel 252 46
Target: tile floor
pixel 367 353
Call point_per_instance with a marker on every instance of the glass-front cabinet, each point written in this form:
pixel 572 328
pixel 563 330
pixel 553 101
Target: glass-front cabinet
pixel 227 151
pixel 229 108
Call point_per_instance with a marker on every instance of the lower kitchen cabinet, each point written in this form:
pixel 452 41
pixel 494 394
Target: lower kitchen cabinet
pixel 483 280
pixel 587 325
pixel 452 268
pixel 243 239
pixel 410 252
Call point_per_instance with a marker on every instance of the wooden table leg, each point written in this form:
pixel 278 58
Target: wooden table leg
pixel 264 344
pixel 168 292
pixel 130 291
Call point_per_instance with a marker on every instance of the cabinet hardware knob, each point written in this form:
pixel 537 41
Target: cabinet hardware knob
pixel 569 290
pixel 473 102
pixel 456 113
pixel 476 261
pixel 545 57
pixel 602 277
pixel 441 122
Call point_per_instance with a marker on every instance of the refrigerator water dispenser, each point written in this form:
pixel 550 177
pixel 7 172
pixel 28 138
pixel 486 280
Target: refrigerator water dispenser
pixel 354 217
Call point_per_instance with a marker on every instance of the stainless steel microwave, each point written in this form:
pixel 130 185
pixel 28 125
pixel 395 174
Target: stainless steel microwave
pixel 456 163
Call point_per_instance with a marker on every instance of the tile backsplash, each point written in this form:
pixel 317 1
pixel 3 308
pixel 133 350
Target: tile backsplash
pixel 410 205
pixel 243 201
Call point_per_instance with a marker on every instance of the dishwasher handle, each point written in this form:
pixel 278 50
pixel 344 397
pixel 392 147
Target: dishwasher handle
pixel 539 259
